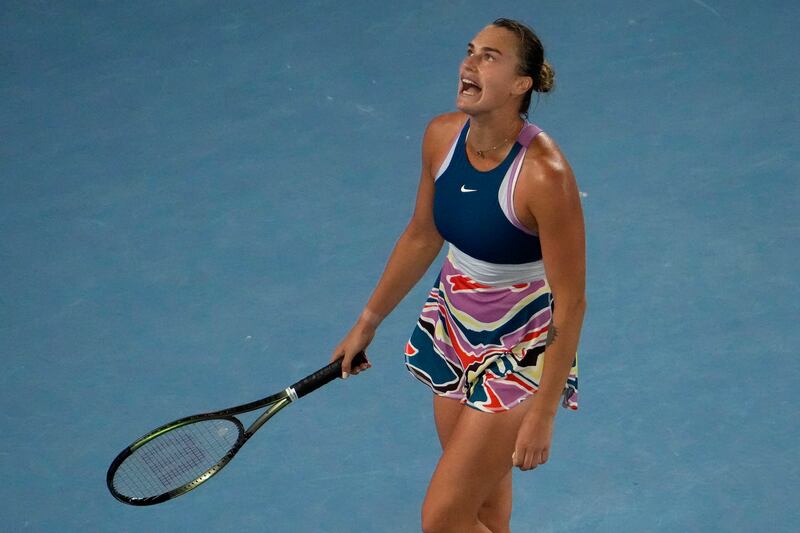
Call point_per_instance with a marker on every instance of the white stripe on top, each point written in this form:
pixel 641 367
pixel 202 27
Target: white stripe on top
pixel 493 273
pixel 505 195
pixel 446 162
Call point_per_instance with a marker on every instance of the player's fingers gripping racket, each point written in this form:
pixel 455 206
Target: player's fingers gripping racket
pixel 175 458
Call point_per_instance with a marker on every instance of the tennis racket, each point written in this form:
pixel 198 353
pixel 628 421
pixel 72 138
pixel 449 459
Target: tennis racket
pixel 177 457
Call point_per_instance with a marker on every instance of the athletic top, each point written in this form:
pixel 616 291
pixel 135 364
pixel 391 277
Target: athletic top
pixel 474 213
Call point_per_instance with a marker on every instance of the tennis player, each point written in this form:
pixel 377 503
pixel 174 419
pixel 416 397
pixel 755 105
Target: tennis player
pixel 490 336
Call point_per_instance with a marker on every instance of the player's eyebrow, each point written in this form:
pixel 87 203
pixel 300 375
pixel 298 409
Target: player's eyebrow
pixel 486 49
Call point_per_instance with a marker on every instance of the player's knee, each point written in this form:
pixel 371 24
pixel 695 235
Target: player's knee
pixel 433 520
pixel 496 515
pixel 441 518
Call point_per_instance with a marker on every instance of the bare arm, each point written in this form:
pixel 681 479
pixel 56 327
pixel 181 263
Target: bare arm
pixel 411 257
pixel 554 201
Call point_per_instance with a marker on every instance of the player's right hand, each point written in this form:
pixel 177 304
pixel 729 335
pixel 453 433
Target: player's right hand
pixel 356 340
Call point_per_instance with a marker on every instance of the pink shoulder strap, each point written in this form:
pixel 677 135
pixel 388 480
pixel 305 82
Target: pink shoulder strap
pixel 528 132
pixel 526 135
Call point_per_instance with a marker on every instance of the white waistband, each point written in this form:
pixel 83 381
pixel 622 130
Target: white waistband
pixel 493 273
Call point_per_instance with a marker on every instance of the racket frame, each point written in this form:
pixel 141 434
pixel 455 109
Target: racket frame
pixel 275 402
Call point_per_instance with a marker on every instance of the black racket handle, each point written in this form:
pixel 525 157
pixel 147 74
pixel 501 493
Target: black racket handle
pixel 324 375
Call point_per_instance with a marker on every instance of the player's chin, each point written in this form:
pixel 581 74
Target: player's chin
pixel 465 106
pixel 470 105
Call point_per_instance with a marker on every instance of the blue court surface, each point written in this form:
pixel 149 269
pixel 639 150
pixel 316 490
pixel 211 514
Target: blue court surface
pixel 197 198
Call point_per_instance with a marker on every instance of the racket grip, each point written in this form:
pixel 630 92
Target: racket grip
pixel 324 375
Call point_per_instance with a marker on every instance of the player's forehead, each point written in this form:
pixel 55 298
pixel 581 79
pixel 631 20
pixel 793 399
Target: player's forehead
pixel 495 37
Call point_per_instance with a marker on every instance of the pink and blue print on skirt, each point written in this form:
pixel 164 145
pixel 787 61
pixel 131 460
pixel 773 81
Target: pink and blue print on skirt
pixel 484 344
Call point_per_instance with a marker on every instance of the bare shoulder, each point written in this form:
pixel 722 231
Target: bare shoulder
pixel 546 188
pixel 546 161
pixel 446 122
pixel 439 135
pixel 546 168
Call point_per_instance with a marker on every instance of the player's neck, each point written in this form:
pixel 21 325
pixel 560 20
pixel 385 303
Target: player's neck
pixel 491 129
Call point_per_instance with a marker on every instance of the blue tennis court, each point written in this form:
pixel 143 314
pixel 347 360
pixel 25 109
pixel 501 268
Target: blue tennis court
pixel 197 198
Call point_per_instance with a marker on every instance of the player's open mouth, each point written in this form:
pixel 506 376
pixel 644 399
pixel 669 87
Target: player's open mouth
pixel 469 87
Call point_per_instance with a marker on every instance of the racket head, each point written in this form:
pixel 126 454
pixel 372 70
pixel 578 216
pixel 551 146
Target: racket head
pixel 174 459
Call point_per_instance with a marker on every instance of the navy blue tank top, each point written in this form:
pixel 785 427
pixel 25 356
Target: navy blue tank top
pixel 467 206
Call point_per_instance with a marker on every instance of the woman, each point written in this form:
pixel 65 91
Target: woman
pixel 504 197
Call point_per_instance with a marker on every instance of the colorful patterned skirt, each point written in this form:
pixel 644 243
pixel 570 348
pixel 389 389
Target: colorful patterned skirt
pixel 484 345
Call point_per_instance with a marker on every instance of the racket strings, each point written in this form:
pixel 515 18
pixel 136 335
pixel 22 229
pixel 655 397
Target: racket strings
pixel 175 458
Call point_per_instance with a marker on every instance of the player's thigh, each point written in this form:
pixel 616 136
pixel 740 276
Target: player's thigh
pixel 476 459
pixel 446 412
pixel 497 507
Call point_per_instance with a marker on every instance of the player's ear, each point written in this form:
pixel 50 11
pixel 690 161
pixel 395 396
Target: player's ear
pixel 523 84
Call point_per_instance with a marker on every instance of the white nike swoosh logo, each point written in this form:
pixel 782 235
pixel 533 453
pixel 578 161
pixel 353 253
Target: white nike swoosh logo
pixel 464 189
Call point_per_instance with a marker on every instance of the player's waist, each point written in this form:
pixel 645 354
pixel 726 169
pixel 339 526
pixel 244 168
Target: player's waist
pixel 495 273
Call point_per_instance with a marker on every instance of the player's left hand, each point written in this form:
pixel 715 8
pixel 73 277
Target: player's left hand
pixel 533 441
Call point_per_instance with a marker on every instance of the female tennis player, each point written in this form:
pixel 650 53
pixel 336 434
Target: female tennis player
pixel 490 335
